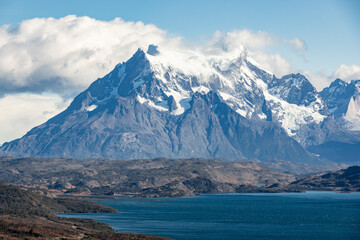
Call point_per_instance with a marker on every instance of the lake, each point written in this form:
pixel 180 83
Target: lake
pixel 310 215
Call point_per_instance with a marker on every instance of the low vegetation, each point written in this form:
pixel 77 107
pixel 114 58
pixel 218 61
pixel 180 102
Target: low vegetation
pixel 344 180
pixel 143 178
pixel 25 214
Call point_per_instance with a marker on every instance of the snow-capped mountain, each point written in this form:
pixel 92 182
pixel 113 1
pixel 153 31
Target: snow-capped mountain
pixel 167 81
pixel 296 89
pixel 171 103
pixel 343 100
pixel 338 137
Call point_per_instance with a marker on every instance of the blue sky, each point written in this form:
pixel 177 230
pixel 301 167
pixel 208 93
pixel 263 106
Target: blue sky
pixel 330 29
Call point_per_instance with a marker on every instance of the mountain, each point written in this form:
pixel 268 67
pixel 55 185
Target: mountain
pixel 184 104
pixel 340 132
pixel 296 89
pixel 343 100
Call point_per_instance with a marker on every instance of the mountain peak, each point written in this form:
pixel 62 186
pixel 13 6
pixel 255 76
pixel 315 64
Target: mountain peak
pixel 338 82
pixel 167 79
pixel 139 55
pixel 296 89
pixel 153 50
pixel 297 76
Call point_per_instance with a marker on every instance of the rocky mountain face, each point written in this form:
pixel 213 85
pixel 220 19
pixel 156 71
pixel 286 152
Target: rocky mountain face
pixel 343 101
pixel 126 129
pixel 182 104
pixel 296 89
pixel 339 138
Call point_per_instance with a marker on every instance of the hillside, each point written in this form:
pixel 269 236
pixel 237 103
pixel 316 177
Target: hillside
pixel 147 178
pixel 344 180
pixel 27 215
pixel 16 201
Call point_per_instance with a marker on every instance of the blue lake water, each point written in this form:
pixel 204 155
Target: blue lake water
pixel 311 215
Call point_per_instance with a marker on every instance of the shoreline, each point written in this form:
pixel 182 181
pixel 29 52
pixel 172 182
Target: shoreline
pixel 25 214
pixel 134 196
pixel 199 213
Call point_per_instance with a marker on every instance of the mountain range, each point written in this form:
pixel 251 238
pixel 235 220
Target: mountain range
pixel 185 104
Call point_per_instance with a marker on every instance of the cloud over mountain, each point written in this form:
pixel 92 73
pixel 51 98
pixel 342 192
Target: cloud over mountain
pixel 347 73
pixel 321 79
pixel 66 54
pixel 47 54
pixel 63 56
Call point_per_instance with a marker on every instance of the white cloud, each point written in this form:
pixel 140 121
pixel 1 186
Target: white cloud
pixel 256 45
pixel 274 63
pixel 318 79
pixel 21 112
pixel 253 40
pixel 297 43
pixel 321 79
pixel 347 73
pixel 45 54
pixel 250 40
pixel 67 54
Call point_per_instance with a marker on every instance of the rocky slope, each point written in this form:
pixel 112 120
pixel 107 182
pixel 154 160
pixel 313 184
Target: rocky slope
pixel 147 178
pixel 26 203
pixel 345 180
pixel 342 180
pixel 25 214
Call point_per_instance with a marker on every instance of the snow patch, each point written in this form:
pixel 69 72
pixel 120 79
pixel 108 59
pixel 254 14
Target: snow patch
pixel 151 104
pixel 182 106
pixel 239 104
pixel 291 116
pixel 241 112
pixel 201 89
pixel 262 116
pixel 91 108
